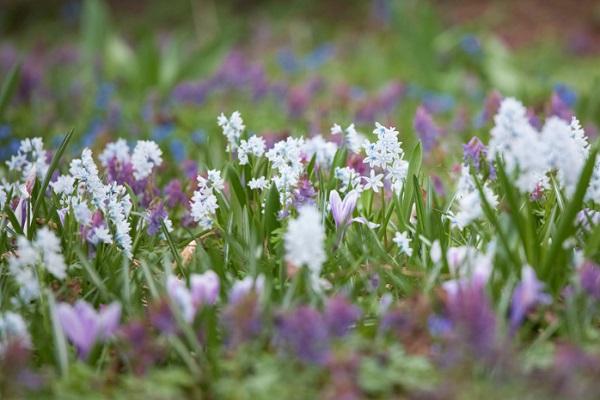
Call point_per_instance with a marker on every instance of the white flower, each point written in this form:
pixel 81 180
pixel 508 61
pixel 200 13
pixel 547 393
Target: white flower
pixel 63 185
pixel 258 183
pixel 520 145
pixel 214 177
pixel 373 182
pixel 48 245
pixel 304 240
pixel 349 177
pixel 82 213
pixel 204 202
pixel 146 155
pixel 354 140
pixel 403 242
pixel 85 171
pixel 232 128
pixel 436 251
pixel 45 252
pixel 13 327
pixel 31 157
pixel 336 129
pixel 100 234
pixel 467 263
pixel 3 197
pixel 286 158
pixel 469 201
pixel 117 211
pixel 323 150
pixel 566 150
pixel 255 146
pixel 118 150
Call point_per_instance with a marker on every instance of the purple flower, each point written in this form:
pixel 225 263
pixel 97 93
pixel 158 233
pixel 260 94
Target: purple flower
pixel 474 151
pixel 162 318
pixel 304 194
pixel 204 288
pixel 470 313
pixel 528 293
pixel 342 210
pixel 339 315
pixel 490 108
pixel 589 278
pixel 242 319
pixel 156 215
pixel 303 333
pixel 559 108
pixel 426 127
pixel 174 193
pixel 84 326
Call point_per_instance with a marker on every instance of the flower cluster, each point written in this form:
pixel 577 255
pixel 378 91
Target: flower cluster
pixel 386 155
pixel 233 127
pixel 304 241
pixel 204 201
pixel 44 252
pixel 31 159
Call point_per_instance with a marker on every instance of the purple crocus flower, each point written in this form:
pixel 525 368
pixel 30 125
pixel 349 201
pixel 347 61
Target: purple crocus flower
pixel 528 293
pixel 426 127
pixel 339 315
pixel 85 326
pixel 342 210
pixel 474 151
pixel 303 332
pixel 204 288
pixel 589 279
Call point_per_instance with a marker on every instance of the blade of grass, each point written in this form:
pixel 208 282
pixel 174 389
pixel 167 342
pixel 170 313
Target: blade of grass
pixel 51 169
pixel 8 87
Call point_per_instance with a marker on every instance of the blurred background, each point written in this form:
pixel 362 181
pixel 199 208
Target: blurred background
pixel 164 70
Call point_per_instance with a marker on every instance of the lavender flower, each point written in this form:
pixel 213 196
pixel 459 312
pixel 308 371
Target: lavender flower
pixel 204 289
pixel 174 193
pixel 474 152
pixel 426 127
pixel 339 315
pixel 342 210
pixel 470 313
pixel 304 194
pixel 527 294
pixel 155 217
pixel 589 279
pixel 559 108
pixel 303 333
pixel 84 326
pixel 242 317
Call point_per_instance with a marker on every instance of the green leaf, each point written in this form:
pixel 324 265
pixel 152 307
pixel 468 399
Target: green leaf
pixel 566 226
pixel 236 183
pixel 51 169
pixel 272 207
pixel 8 87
